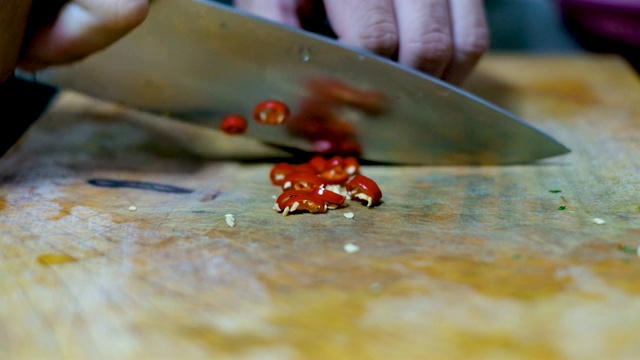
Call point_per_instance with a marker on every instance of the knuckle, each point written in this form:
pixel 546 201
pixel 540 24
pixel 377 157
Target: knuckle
pixel 431 49
pixel 380 37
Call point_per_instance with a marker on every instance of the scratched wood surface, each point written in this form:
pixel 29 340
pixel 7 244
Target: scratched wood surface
pixel 458 262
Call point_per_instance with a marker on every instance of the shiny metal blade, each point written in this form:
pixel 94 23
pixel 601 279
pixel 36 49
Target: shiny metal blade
pixel 197 61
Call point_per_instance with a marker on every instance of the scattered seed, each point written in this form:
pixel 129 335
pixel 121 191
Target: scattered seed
pixel 230 220
pixel 351 248
pixel 598 221
pixel 349 215
pixel 133 208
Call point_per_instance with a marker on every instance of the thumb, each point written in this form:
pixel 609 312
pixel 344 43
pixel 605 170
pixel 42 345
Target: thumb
pixel 81 28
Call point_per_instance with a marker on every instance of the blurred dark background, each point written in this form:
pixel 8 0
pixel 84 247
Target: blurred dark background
pixel 525 26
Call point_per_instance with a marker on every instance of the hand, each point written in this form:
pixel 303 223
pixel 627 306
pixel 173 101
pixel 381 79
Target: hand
pixel 444 38
pixel 38 33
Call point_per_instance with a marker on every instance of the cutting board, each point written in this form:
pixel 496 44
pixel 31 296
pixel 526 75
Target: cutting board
pixel 114 245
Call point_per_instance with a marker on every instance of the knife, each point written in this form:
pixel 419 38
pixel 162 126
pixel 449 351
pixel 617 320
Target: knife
pixel 198 61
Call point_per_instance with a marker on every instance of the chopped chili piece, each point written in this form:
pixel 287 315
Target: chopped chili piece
pixel 318 162
pixel 271 112
pixel 329 196
pixel 288 194
pixel 364 189
pixel 306 167
pixel 335 176
pixel 302 180
pixel 351 165
pixel 340 93
pixel 279 172
pixel 234 124
pixel 304 203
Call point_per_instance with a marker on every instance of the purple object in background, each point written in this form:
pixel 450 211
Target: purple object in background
pixel 606 26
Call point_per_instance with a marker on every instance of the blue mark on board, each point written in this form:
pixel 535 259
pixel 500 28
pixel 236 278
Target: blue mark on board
pixel 140 185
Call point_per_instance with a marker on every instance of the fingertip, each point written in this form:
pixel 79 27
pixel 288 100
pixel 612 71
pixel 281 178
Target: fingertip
pixel 472 39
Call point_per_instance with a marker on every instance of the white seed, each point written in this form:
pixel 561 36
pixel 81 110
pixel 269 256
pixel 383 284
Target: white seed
pixel 350 248
pixel 349 215
pixel 363 196
pixel 133 208
pixel 230 220
pixel 598 221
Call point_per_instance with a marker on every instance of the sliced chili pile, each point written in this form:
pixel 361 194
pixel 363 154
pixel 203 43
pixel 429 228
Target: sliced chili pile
pixel 322 184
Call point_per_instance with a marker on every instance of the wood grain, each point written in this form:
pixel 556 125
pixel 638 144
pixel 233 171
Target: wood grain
pixel 458 262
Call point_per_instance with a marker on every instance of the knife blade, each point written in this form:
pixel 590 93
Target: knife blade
pixel 197 61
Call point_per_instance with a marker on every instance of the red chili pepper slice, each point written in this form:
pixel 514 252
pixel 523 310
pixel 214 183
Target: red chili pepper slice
pixel 364 189
pixel 271 112
pixel 351 165
pixel 302 180
pixel 288 194
pixel 234 124
pixel 304 203
pixel 335 176
pixel 338 169
pixel 279 172
pixel 335 161
pixel 318 162
pixel 329 196
pixel 350 147
pixel 306 167
pixel 338 92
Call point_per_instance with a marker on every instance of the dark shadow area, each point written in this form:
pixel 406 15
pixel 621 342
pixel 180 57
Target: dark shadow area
pixel 22 102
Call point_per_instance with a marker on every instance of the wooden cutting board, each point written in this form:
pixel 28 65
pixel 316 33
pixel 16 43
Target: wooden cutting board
pixel 113 241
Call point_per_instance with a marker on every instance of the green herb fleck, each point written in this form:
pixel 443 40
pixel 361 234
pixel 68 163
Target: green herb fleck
pixel 626 249
pixel 562 207
pixel 516 256
pixel 555 191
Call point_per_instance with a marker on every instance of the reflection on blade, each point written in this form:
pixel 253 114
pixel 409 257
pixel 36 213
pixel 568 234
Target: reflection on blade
pixel 199 61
